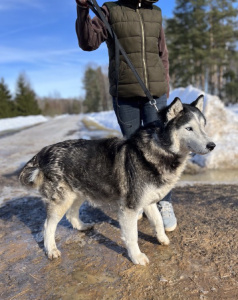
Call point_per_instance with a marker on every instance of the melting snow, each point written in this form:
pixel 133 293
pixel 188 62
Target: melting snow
pixel 222 126
pixel 20 122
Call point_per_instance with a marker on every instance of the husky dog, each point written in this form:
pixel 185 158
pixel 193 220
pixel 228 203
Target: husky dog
pixel 130 174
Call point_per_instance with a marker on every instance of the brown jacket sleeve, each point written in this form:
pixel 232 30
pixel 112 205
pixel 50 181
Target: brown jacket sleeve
pixel 164 55
pixel 90 32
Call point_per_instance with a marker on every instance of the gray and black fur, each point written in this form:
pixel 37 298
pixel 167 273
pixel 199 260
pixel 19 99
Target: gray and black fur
pixel 129 174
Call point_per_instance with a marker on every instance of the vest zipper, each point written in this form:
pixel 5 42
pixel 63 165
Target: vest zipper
pixel 143 48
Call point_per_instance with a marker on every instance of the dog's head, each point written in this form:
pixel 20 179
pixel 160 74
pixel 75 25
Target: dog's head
pixel 186 126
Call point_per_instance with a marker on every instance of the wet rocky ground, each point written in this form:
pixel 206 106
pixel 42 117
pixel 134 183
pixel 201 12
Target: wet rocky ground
pixel 200 263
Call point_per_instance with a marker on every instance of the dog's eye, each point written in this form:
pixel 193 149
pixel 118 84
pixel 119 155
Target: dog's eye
pixel 189 128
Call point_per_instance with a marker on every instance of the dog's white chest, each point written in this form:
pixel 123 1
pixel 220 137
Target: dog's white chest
pixel 152 194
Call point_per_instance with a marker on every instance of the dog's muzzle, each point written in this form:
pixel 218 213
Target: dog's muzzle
pixel 210 146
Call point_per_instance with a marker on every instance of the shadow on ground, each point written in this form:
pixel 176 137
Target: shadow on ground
pixel 200 263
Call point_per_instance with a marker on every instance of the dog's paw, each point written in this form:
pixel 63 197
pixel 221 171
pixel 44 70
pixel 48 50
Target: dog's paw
pixel 53 254
pixel 163 240
pixel 140 259
pixel 79 225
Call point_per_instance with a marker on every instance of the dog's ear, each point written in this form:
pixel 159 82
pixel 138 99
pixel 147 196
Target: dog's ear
pixel 198 103
pixel 174 108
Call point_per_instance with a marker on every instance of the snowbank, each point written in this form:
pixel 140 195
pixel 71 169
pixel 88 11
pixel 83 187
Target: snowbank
pixel 187 95
pixel 103 121
pixel 20 122
pixel 222 127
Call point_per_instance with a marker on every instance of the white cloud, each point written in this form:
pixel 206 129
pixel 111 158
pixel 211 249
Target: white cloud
pixel 38 37
pixel 65 80
pixel 22 29
pixel 13 55
pixel 51 70
pixel 21 55
pixel 13 4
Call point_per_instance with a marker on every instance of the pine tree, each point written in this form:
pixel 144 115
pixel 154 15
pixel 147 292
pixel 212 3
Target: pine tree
pixel 91 86
pixel 25 100
pixel 221 18
pixel 102 88
pixel 231 86
pixel 96 87
pixel 187 42
pixel 201 39
pixel 7 108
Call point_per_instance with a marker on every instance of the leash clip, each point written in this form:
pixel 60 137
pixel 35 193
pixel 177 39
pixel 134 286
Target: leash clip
pixel 153 103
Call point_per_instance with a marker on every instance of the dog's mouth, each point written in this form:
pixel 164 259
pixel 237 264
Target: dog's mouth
pixel 193 152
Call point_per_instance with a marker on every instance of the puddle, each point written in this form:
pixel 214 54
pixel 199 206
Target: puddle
pixel 89 286
pixel 212 177
pixel 85 277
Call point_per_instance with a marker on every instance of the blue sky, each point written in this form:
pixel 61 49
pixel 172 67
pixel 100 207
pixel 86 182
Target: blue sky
pixel 38 37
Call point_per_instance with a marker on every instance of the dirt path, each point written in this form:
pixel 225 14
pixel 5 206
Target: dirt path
pixel 200 263
pixel 21 146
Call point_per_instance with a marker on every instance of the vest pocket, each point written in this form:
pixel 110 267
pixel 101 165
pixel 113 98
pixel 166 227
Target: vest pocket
pixel 122 70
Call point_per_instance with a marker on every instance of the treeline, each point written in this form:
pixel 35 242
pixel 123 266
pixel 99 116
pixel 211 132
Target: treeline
pixel 26 102
pixel 51 106
pixel 202 43
pixel 203 51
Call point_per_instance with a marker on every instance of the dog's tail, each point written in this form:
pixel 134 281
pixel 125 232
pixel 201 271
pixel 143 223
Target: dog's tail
pixel 31 175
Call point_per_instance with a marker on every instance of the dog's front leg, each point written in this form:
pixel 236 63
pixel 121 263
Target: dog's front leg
pixel 155 219
pixel 128 223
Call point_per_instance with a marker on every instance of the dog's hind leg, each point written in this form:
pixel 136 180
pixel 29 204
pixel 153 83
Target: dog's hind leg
pixel 72 216
pixel 128 224
pixel 55 211
pixel 156 221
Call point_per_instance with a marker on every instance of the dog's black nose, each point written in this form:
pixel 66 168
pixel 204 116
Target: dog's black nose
pixel 210 146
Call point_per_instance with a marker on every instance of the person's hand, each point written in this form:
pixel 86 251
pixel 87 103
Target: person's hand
pixel 82 2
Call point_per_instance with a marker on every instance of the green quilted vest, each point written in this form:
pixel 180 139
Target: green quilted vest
pixel 138 31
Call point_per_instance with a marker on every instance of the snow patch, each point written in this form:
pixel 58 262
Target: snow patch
pixel 20 122
pixel 187 95
pixel 222 127
pixel 104 120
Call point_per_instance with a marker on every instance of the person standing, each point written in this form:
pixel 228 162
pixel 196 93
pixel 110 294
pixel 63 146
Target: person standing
pixel 138 26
